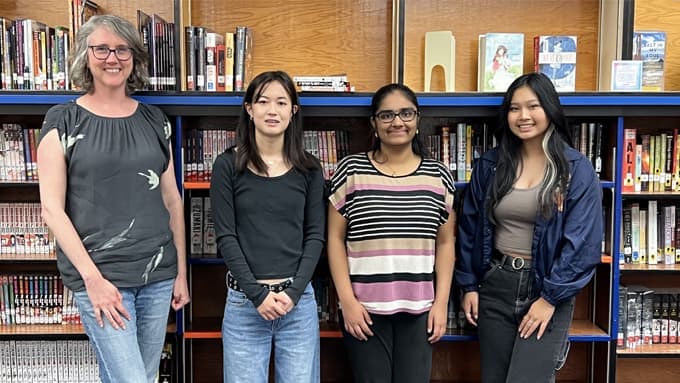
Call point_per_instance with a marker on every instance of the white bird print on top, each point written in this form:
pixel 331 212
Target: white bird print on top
pixel 152 177
pixel 167 129
pixel 115 240
pixel 152 265
pixel 67 142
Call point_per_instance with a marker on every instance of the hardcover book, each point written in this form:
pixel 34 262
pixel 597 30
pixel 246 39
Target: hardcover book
pixel 501 60
pixel 650 48
pixel 555 57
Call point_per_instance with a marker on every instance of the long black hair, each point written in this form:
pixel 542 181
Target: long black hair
pixel 293 149
pixel 416 144
pixel 556 177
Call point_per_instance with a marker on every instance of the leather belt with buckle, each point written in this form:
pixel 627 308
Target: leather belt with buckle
pixel 516 263
pixel 232 283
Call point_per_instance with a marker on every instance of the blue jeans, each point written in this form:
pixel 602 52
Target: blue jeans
pixel 133 354
pixel 247 340
pixel 505 296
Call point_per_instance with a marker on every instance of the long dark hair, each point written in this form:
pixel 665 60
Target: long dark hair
pixel 556 178
pixel 417 144
pixel 293 149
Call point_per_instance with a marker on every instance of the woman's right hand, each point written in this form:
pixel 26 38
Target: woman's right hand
pixel 105 298
pixel 271 308
pixel 357 320
pixel 470 306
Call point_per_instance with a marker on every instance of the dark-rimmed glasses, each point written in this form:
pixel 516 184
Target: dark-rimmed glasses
pixel 102 52
pixel 406 115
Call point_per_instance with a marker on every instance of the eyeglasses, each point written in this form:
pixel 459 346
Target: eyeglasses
pixel 405 115
pixel 102 52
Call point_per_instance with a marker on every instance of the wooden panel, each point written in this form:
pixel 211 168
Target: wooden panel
pixel 646 370
pixel 311 37
pixel 467 19
pixel 55 12
pixel 663 15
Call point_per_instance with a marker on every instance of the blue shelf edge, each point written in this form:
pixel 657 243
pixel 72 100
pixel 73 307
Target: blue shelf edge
pixel 468 99
pixel 572 338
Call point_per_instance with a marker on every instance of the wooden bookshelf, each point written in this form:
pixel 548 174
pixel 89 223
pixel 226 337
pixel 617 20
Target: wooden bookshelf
pixel 37 330
pixel 28 257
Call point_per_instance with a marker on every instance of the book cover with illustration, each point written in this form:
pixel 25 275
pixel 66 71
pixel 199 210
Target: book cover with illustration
pixel 650 48
pixel 501 59
pixel 555 57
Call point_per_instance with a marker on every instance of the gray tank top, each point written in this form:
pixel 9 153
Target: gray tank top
pixel 515 216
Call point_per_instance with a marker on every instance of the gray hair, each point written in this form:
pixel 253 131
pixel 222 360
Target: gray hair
pixel 79 71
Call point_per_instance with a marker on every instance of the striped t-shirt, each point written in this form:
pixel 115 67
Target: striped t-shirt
pixel 392 225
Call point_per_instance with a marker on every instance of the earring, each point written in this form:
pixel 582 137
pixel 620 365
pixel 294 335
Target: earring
pixel 416 130
pixel 376 134
pixel 251 118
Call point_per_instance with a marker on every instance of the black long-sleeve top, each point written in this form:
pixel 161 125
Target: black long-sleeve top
pixel 268 227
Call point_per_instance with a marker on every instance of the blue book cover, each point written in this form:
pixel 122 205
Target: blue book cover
pixel 503 59
pixel 555 56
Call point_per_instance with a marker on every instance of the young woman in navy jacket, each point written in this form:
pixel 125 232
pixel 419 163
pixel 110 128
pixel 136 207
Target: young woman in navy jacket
pixel 529 237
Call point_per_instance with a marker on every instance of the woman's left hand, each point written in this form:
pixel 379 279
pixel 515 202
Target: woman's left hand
pixel 538 317
pixel 180 293
pixel 436 322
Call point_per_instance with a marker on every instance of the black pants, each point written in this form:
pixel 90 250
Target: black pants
pixel 505 296
pixel 397 352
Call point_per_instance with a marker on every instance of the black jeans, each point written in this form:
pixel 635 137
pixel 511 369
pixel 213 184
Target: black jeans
pixel 505 296
pixel 397 352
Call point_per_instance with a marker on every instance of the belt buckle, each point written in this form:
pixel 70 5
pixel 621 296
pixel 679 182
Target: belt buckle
pixel 517 263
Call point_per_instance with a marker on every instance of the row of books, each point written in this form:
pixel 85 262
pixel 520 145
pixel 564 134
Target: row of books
pixel 36 299
pixel 54 361
pixel 651 163
pixel 501 60
pixel 645 72
pixel 33 56
pixel 23 232
pixel 158 37
pixel 201 148
pixel 217 62
pixel 651 235
pixel 647 316
pixel 18 153
pixel 459 147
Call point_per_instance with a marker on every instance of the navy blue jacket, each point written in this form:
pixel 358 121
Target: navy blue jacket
pixel 565 249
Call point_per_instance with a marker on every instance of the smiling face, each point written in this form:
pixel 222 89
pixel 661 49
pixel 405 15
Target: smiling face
pixel 396 132
pixel 110 72
pixel 271 111
pixel 526 117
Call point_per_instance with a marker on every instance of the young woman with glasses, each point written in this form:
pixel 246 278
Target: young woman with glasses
pixel 108 193
pixel 391 245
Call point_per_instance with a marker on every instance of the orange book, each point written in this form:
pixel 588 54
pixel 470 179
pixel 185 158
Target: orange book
pixel 628 165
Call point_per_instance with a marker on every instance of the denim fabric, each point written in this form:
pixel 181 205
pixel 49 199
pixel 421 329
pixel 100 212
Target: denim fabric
pixel 131 355
pixel 398 351
pixel 505 296
pixel 247 341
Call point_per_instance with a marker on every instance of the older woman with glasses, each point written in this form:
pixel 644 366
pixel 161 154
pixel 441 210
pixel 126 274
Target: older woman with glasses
pixel 390 232
pixel 108 193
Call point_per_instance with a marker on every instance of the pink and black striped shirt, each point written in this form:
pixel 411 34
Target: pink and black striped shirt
pixel 392 225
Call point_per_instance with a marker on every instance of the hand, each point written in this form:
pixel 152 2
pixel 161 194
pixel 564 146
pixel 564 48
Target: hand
pixel 539 316
pixel 436 322
pixel 357 320
pixel 284 299
pixel 105 298
pixel 471 307
pixel 180 293
pixel 271 308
